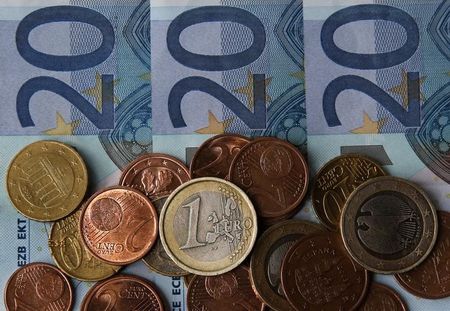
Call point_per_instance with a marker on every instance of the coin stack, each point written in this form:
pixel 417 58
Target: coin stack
pixel 202 223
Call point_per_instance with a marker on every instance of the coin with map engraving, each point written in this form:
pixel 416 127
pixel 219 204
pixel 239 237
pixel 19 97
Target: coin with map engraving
pixel 38 286
pixel 317 274
pixel 389 225
pixel 431 279
pixel 382 298
pixel 47 180
pixel 71 255
pixel 213 158
pixel 123 292
pixel 334 183
pixel 274 174
pixel 229 291
pixel 119 225
pixel 208 226
pixel 268 254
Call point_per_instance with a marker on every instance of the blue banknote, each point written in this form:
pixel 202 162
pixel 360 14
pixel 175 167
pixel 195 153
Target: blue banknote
pixel 227 66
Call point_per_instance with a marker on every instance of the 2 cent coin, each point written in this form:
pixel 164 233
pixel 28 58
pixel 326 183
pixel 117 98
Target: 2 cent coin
pixel 119 225
pixel 382 298
pixel 38 286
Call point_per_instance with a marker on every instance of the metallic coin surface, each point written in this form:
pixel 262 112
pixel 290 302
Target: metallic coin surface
pixel 334 183
pixel 71 255
pixel 382 298
pixel 122 292
pixel 273 173
pixel 317 274
pixel 208 226
pixel 389 225
pixel 155 174
pixel 187 279
pixel 267 256
pixel 38 286
pixel 47 180
pixel 119 225
pixel 213 158
pixel 157 258
pixel 229 291
pixel 431 279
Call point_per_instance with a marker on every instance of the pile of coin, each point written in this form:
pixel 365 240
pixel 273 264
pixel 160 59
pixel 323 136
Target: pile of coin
pixel 202 223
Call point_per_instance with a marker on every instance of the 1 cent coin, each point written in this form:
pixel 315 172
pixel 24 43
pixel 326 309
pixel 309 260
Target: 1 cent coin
pixel 124 292
pixel 273 173
pixel 70 253
pixel 431 279
pixel 389 225
pixel 47 180
pixel 334 183
pixel 267 256
pixel 38 286
pixel 229 291
pixel 155 174
pixel 382 298
pixel 119 225
pixel 208 226
pixel 317 274
pixel 213 158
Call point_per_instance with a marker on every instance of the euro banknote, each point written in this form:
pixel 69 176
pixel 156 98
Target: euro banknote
pixel 377 84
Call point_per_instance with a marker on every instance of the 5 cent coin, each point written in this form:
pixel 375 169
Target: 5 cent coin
pixel 389 225
pixel 334 183
pixel 71 255
pixel 317 274
pixel 229 291
pixel 208 226
pixel 273 173
pixel 267 256
pixel 124 292
pixel 119 225
pixel 213 158
pixel 38 286
pixel 431 279
pixel 47 180
pixel 382 298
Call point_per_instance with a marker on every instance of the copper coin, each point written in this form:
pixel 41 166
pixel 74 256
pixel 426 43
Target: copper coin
pixel 431 279
pixel 334 183
pixel 389 225
pixel 273 173
pixel 38 286
pixel 155 174
pixel 318 274
pixel 213 158
pixel 382 298
pixel 123 292
pixel 229 291
pixel 119 225
pixel 187 279
pixel 268 254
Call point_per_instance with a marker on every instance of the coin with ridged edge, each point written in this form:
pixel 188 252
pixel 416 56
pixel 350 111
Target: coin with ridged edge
pixel 119 225
pixel 208 226
pixel 38 286
pixel 267 256
pixel 47 180
pixel 123 292
pixel 431 279
pixel 71 255
pixel 389 225
pixel 334 183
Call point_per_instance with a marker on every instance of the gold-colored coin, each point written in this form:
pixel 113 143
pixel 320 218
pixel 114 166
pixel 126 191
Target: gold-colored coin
pixel 47 180
pixel 334 183
pixel 268 255
pixel 72 256
pixel 389 225
pixel 208 226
